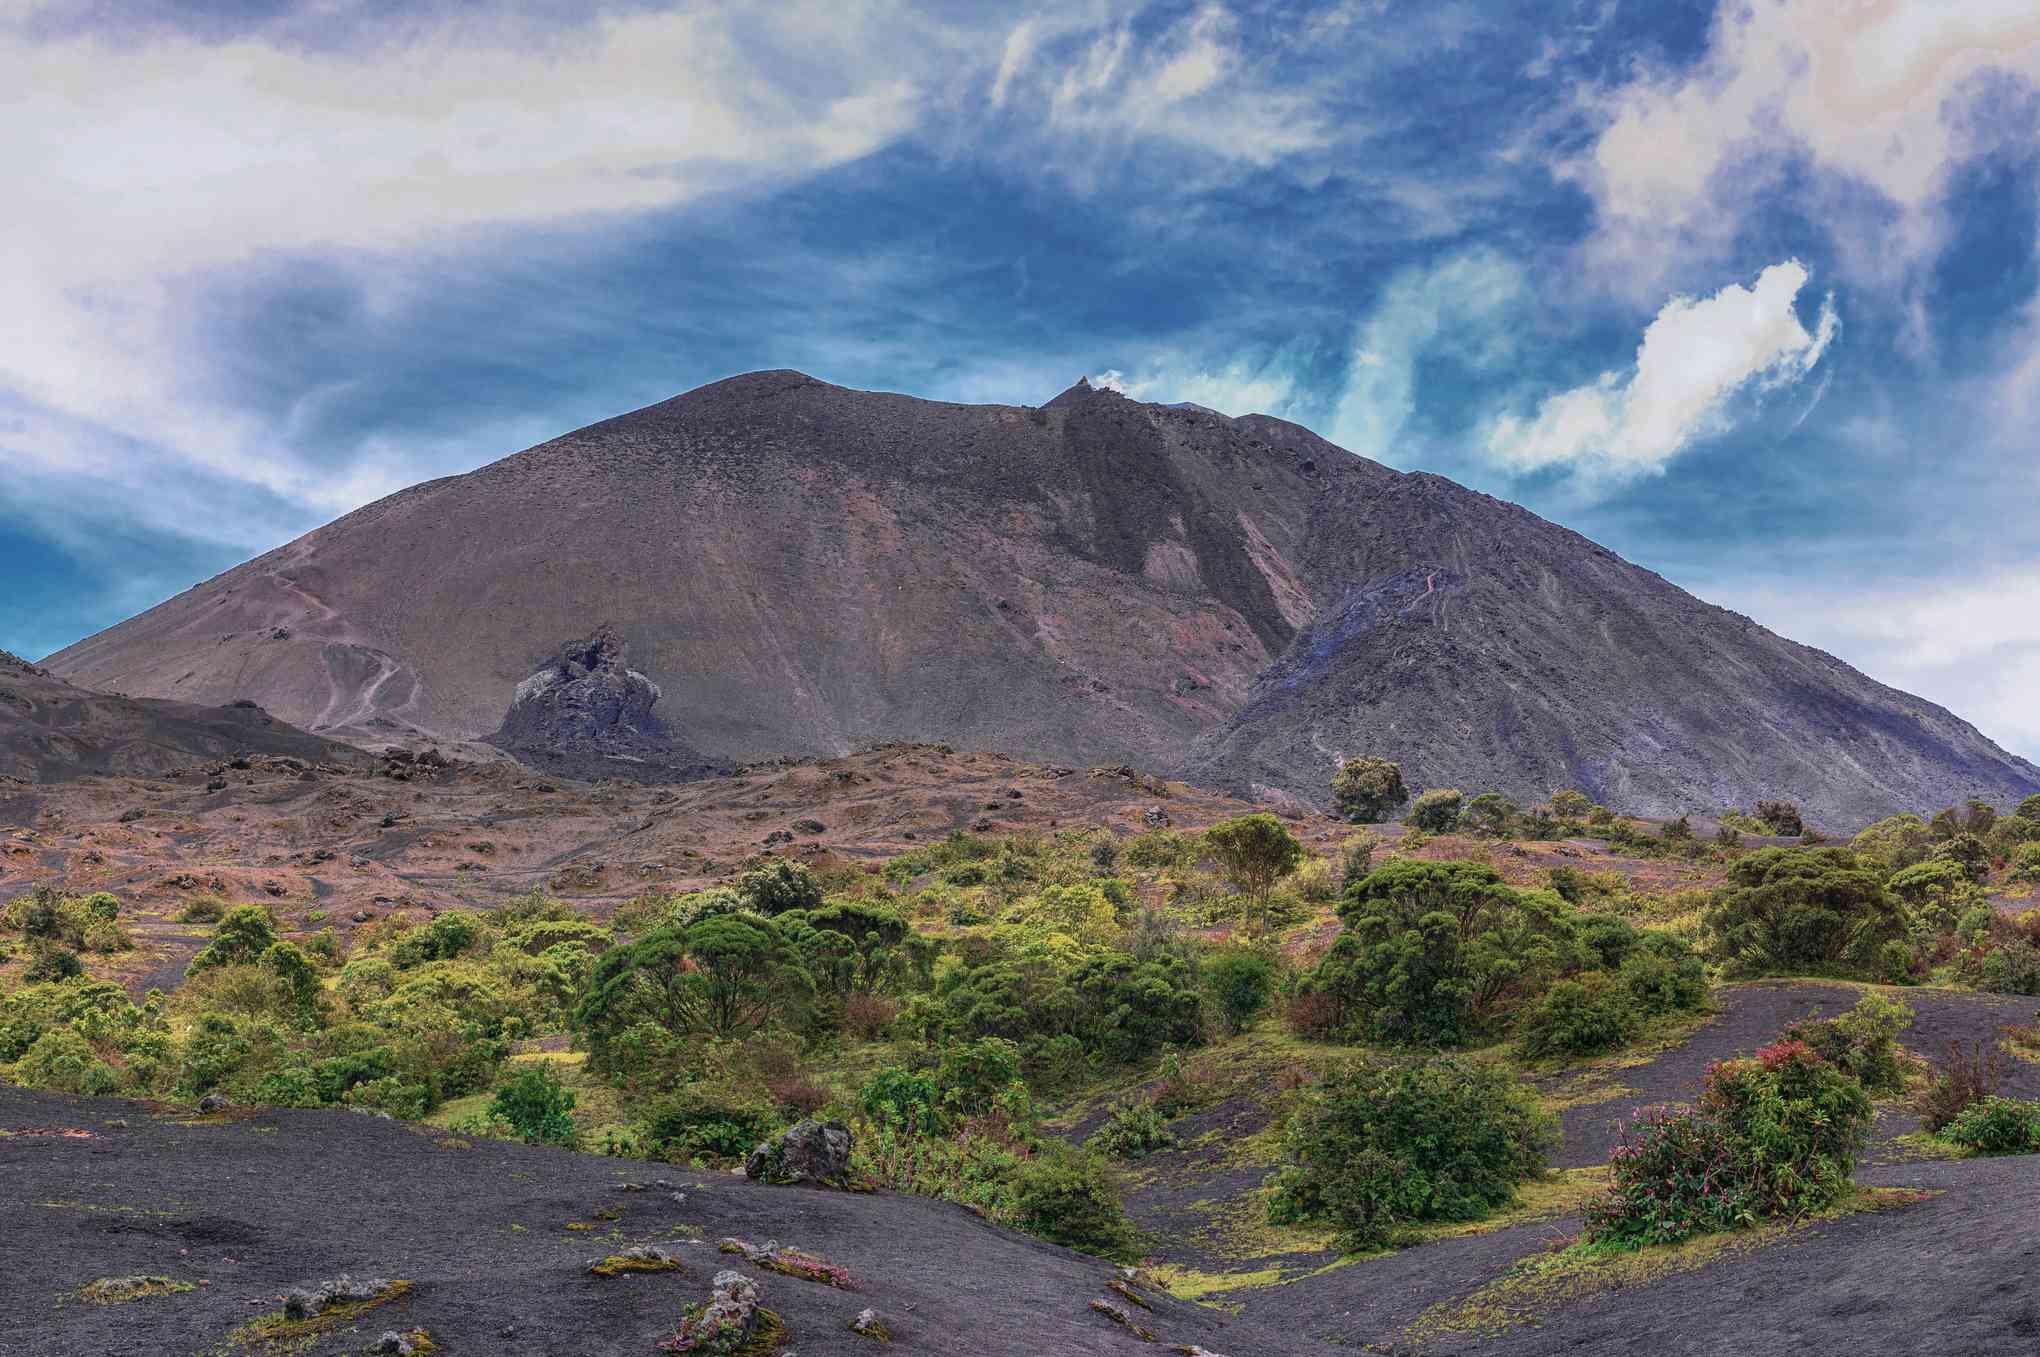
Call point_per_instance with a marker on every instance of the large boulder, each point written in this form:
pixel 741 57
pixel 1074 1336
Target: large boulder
pixel 809 1151
pixel 588 714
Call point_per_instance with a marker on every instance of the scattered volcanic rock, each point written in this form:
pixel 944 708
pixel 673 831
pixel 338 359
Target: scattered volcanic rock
pixel 588 715
pixel 52 731
pixel 804 569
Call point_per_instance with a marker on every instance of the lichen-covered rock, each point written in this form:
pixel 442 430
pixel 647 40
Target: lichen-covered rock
pixel 809 1151
pixel 728 1321
pixel 866 1323
pixel 637 1258
pixel 792 1262
pixel 313 1298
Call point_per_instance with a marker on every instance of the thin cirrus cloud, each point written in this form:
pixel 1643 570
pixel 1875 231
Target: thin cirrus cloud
pixel 1694 358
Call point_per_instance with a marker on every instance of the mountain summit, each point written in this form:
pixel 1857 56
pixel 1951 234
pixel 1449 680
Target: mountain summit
pixel 802 568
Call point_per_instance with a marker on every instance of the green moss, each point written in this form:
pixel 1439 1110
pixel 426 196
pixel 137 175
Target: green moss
pixel 277 1333
pixel 119 1290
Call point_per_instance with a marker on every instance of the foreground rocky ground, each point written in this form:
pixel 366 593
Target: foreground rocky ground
pixel 496 1240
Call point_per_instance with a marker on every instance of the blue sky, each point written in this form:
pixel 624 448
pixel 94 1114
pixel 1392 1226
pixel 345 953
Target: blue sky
pixel 1746 293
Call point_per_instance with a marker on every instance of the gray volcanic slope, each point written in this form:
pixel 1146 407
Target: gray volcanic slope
pixel 802 568
pixel 52 731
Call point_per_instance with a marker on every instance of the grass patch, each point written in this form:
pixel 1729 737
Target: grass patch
pixel 120 1290
pixel 1540 1284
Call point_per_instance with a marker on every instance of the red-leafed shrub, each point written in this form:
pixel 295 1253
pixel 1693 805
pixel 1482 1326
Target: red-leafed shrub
pixel 1773 1136
pixel 1677 1173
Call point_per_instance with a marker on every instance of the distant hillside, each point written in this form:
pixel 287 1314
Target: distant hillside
pixel 799 568
pixel 52 731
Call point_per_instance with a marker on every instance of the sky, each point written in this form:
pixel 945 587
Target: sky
pixel 1745 291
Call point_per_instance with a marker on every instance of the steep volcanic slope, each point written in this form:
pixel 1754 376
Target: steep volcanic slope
pixel 800 568
pixel 52 731
pixel 1483 647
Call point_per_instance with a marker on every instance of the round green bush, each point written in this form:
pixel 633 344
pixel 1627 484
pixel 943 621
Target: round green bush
pixel 1997 1126
pixel 1070 1198
pixel 1586 1016
pixel 1387 1144
pixel 1135 1130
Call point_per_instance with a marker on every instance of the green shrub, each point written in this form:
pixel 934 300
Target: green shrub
pixel 1435 952
pixel 62 1060
pixel 537 1104
pixel 1241 981
pixel 1897 841
pixel 1069 1198
pixel 1664 975
pixel 1253 853
pixel 898 1097
pixel 1966 851
pixel 203 909
pixel 399 1097
pixel 1368 790
pixel 778 887
pixel 1802 910
pixel 445 937
pixel 1134 1130
pixel 1965 1075
pixel 1799 1120
pixel 50 962
pixel 1611 936
pixel 1997 1126
pixel 1586 1016
pixel 2002 964
pixel 700 1120
pixel 974 1074
pixel 2026 862
pixel 242 936
pixel 1385 1145
pixel 1357 862
pixel 1437 810
pixel 1862 1043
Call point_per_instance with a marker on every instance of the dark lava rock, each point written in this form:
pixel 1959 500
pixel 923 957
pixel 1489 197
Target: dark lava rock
pixel 590 715
pixel 809 1151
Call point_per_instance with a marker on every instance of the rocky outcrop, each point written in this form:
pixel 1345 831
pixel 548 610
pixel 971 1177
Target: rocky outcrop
pixel 587 714
pixel 809 1151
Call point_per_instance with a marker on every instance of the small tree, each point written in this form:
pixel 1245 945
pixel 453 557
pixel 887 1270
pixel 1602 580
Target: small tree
pixel 1254 852
pixel 1437 811
pixel 1781 818
pixel 1490 815
pixel 780 886
pixel 1241 980
pixel 243 936
pixel 1787 911
pixel 1367 790
pixel 535 1102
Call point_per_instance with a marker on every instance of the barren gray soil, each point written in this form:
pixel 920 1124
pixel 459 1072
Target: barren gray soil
pixel 245 1209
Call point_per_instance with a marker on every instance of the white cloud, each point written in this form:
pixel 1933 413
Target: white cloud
pixel 1869 92
pixel 1972 645
pixel 1242 387
pixel 141 166
pixel 1694 356
pixel 1463 303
